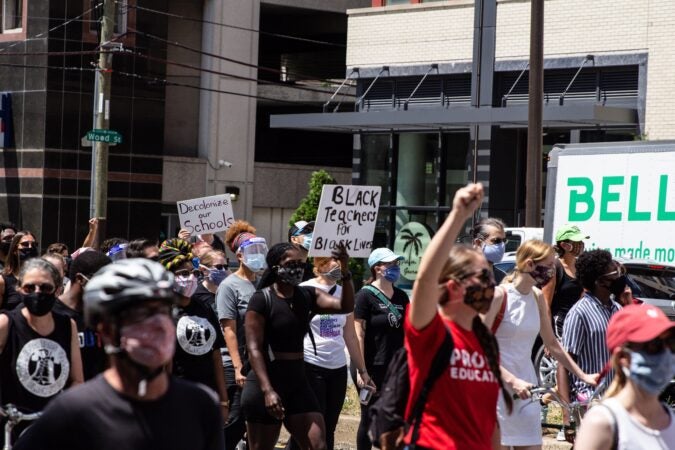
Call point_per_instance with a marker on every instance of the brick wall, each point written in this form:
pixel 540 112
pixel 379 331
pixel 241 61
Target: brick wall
pixel 442 32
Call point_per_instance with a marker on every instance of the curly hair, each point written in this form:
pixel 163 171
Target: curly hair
pixel 591 265
pixel 237 228
pixel 174 252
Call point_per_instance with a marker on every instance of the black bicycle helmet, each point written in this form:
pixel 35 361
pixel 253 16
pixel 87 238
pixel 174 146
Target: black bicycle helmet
pixel 124 283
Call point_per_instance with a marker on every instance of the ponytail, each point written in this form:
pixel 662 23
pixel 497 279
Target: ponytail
pixel 491 349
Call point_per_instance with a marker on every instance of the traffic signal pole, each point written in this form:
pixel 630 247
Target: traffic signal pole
pixel 99 182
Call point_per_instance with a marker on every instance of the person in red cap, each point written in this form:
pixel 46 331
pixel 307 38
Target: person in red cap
pixel 641 340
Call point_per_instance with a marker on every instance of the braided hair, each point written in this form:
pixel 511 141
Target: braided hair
pixel 174 252
pixel 490 347
pixel 273 258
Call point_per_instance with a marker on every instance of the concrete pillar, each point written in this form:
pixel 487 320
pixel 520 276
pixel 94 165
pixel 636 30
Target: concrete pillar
pixel 411 174
pixel 227 122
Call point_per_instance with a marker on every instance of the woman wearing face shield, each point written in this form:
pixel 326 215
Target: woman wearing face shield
pixel 39 349
pixel 231 303
pixel 641 340
pixel 277 319
pixel 454 284
pixel 523 316
pixel 198 336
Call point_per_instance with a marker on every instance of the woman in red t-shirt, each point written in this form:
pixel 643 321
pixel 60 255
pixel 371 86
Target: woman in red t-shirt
pixel 449 293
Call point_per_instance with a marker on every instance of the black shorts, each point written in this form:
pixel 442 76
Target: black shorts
pixel 289 382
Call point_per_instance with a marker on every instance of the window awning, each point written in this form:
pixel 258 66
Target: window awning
pixel 457 117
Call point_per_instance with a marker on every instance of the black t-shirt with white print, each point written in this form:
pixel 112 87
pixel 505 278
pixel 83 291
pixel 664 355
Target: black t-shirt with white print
pixel 197 335
pixel 384 335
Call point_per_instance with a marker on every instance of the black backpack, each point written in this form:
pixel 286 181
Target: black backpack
pixel 387 422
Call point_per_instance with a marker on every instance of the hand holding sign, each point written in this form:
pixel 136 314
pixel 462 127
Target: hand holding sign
pixel 347 215
pixel 206 215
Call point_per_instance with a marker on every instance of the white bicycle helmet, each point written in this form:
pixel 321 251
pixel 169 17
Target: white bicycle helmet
pixel 124 283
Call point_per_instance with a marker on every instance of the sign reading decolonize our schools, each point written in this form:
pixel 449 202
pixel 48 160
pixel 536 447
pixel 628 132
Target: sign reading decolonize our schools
pixel 346 215
pixel 206 215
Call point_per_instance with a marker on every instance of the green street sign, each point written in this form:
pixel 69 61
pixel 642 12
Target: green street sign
pixel 108 136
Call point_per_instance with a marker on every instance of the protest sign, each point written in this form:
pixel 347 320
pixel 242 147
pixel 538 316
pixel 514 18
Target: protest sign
pixel 206 214
pixel 347 215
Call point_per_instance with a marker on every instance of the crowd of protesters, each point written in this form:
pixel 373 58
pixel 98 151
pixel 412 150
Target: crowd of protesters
pixel 142 344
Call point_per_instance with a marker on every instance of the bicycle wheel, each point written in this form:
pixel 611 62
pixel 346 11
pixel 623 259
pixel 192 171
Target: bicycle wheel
pixel 546 367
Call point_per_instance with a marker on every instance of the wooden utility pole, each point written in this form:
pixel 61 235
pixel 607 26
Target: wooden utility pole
pixel 102 118
pixel 535 117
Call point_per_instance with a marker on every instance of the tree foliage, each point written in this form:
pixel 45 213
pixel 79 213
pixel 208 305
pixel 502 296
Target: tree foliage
pixel 308 208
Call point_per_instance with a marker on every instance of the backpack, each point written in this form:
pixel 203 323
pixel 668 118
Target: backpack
pixel 387 422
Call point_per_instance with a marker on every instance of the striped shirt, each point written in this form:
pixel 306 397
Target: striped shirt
pixel 584 336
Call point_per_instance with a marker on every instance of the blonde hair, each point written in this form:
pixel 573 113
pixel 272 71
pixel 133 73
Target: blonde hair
pixel 533 249
pixel 208 257
pixel 322 261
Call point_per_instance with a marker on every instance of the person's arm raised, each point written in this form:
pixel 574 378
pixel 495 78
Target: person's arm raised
pixel 426 290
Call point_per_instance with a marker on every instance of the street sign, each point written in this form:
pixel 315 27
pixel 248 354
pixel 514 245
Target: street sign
pixel 109 136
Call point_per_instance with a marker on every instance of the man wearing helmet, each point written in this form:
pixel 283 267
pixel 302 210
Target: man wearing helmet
pixel 134 404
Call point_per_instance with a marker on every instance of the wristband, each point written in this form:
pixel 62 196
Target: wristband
pixel 225 403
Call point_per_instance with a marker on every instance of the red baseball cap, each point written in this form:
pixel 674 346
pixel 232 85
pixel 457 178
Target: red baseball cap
pixel 636 323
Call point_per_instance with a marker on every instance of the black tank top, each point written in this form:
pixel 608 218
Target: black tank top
pixel 567 291
pixel 11 298
pixel 34 368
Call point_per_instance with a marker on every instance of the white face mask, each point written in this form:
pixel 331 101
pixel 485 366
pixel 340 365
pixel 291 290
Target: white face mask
pixel 185 286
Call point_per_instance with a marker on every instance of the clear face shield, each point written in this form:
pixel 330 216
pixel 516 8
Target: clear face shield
pixel 253 252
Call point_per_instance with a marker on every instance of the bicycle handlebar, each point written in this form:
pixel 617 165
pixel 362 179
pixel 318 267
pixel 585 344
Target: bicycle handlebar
pixel 14 415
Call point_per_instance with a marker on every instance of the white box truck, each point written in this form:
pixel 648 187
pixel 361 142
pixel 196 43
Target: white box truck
pixel 622 194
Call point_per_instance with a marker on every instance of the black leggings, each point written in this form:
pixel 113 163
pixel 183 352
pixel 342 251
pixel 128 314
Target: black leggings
pixel 376 373
pixel 330 388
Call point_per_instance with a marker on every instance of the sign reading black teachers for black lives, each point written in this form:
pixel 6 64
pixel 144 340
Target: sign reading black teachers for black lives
pixel 206 215
pixel 347 215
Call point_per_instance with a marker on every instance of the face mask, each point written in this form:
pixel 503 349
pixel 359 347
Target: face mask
pixel 494 252
pixel 291 274
pixel 307 242
pixel 39 303
pixel 542 275
pixel 185 286
pixel 479 296
pixel 27 253
pixel 334 274
pixel 392 274
pixel 651 373
pixel 217 276
pixel 255 262
pixel 151 342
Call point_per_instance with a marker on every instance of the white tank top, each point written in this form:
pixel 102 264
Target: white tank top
pixel 635 436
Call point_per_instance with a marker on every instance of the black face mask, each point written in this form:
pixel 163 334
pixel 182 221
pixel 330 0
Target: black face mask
pixel 39 303
pixel 479 296
pixel 27 253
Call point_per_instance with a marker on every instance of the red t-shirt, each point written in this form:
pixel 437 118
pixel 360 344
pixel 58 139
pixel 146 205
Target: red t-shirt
pixel 461 410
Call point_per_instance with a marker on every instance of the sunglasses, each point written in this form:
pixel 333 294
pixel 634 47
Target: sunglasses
pixel 496 241
pixel 655 346
pixel 217 266
pixel 44 287
pixel 186 272
pixel 27 244
pixel 484 275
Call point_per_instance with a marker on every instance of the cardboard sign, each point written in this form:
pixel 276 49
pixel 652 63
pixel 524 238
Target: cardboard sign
pixel 346 214
pixel 206 215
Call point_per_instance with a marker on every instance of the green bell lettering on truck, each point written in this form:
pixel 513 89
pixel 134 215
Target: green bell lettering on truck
pixel 582 204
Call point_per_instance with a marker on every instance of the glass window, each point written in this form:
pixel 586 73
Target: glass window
pixel 455 147
pixel 12 15
pixel 397 2
pixel 374 171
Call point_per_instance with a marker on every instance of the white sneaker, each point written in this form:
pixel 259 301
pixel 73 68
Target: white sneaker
pixel 561 435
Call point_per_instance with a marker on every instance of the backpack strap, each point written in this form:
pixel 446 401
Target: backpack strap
pixel 438 366
pixel 384 300
pixel 500 315
pixel 615 427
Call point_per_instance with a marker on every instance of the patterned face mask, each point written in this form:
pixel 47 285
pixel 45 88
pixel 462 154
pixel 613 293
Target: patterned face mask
pixel 291 273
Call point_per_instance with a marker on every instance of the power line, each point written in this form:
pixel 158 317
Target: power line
pixel 224 58
pixel 236 27
pixel 217 72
